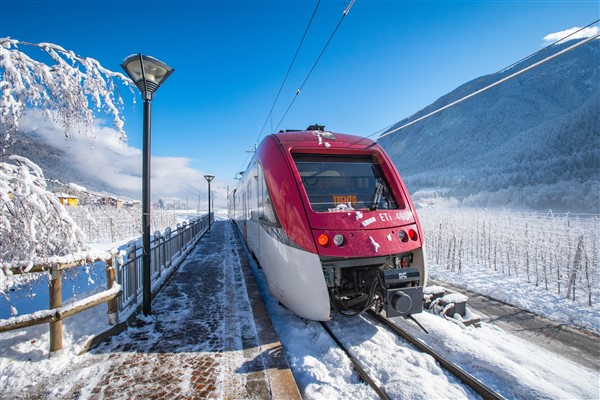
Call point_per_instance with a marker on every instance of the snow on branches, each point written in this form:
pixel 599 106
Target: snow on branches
pixel 69 91
pixel 35 227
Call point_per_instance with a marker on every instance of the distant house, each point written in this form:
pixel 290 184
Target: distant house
pixel 111 201
pixel 68 199
pixel 131 204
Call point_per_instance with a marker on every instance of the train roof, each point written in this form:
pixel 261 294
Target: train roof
pixel 313 136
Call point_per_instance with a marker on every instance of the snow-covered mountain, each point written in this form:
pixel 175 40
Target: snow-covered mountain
pixel 57 163
pixel 107 165
pixel 531 142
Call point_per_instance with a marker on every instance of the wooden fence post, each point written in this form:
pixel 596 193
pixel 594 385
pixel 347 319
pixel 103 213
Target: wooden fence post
pixel 56 342
pixel 111 278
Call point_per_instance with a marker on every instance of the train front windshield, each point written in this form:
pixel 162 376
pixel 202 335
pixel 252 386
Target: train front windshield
pixel 335 183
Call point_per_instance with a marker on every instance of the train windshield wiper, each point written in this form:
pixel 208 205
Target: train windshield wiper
pixel 379 189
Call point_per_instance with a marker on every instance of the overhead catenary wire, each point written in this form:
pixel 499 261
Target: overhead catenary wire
pixel 270 114
pixel 346 11
pixel 566 50
pixel 288 71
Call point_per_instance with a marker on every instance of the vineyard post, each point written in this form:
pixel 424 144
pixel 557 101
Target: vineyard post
pixel 576 263
pixel 460 251
pixel 527 251
pixel 535 264
pixel 439 244
pixel 588 282
pixel 489 253
pixel 495 254
pixel 112 230
pixel 545 273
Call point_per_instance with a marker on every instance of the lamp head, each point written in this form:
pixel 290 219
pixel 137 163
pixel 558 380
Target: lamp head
pixel 146 72
pixel 209 177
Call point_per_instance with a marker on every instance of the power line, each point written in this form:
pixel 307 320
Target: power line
pixel 289 69
pixel 501 80
pixel 346 11
pixel 545 48
pixel 270 115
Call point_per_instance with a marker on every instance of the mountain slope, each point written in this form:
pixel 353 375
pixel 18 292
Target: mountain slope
pixel 55 162
pixel 533 141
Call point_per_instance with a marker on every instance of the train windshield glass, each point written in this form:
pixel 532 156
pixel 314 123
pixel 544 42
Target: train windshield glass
pixel 335 183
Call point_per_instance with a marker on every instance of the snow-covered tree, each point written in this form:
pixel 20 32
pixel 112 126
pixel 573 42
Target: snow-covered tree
pixel 71 90
pixel 34 225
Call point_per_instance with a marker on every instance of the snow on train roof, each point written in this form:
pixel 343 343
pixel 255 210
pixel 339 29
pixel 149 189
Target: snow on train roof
pixel 319 137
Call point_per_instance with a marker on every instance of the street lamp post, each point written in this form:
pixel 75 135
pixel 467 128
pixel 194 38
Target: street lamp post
pixel 208 179
pixel 148 74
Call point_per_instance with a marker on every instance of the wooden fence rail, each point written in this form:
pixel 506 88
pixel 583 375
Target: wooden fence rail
pixel 122 281
pixel 58 312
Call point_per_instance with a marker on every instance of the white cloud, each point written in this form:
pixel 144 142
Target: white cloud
pixel 584 33
pixel 119 164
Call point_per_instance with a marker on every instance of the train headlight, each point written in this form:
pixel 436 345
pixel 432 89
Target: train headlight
pixel 403 236
pixel 323 239
pixel 339 240
pixel 412 235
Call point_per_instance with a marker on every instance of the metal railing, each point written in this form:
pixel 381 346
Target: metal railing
pixel 167 251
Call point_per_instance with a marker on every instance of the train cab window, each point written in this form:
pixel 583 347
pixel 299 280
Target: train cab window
pixel 338 182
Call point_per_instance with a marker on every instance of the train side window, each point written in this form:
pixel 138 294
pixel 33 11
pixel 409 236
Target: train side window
pixel 267 214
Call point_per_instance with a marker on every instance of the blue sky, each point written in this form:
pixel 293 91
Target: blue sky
pixel 388 60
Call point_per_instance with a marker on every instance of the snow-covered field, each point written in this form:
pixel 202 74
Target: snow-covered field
pixel 510 365
pixel 557 252
pixel 544 263
pixel 513 290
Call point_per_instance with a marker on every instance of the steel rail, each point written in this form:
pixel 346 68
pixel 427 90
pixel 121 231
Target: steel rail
pixel 468 379
pixel 361 372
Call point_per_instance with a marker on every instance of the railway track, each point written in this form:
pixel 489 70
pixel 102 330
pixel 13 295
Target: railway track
pixel 476 385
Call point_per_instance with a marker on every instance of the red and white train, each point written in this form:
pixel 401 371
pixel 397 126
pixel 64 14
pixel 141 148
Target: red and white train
pixel 332 225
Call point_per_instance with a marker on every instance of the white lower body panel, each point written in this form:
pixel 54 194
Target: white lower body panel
pixel 295 277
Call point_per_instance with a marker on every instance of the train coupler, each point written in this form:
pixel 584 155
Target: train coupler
pixel 402 295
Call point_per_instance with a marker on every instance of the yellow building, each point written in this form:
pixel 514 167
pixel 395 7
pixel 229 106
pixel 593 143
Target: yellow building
pixel 68 200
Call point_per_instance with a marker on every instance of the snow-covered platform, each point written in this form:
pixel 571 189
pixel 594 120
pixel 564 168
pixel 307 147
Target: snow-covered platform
pixel 209 336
